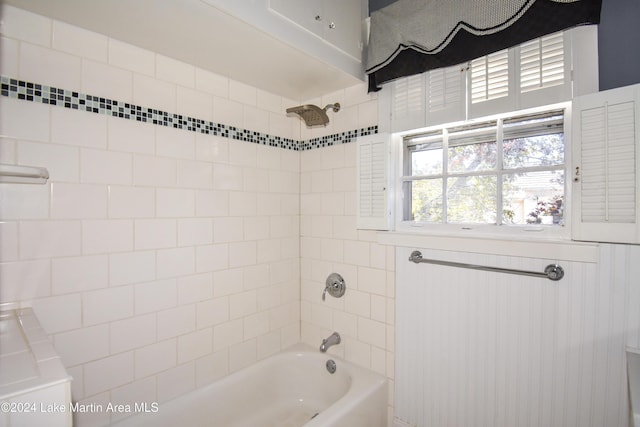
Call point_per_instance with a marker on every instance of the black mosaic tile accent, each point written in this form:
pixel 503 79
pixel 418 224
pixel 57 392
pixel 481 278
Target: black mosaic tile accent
pixel 43 94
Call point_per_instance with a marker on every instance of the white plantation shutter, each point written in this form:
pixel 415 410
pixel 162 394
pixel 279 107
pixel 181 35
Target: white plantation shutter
pixel 408 103
pixel 490 77
pixel 373 189
pixel 446 95
pixel 606 166
pixel 542 62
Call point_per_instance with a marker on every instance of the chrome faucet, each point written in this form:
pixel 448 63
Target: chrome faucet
pixel 333 339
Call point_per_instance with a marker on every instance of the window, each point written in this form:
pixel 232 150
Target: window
pixel 506 171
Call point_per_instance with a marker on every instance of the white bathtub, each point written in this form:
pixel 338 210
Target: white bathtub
pixel 285 390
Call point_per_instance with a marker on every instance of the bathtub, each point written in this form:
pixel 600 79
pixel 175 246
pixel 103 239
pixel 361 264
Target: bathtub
pixel 292 388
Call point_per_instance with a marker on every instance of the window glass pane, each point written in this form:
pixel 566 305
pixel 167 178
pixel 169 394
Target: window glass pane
pixel 472 199
pixel 426 162
pixel 472 157
pixel 534 198
pixel 544 150
pixel 426 200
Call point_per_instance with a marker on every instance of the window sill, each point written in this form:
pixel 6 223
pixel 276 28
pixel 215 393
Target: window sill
pixel 510 245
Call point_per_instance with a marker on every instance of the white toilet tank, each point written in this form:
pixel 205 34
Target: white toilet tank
pixel 633 374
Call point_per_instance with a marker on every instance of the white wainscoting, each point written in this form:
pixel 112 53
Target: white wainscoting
pixel 477 348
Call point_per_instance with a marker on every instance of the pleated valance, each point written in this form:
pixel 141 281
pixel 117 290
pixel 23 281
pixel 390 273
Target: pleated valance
pixel 413 36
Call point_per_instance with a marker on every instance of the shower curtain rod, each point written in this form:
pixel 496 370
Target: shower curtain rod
pixel 552 271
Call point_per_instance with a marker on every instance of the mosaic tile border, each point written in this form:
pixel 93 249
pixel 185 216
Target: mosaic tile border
pixel 42 94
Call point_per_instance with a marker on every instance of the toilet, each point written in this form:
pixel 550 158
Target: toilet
pixel 633 374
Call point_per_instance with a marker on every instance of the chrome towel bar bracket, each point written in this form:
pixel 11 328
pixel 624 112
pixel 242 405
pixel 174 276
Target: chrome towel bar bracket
pixel 552 271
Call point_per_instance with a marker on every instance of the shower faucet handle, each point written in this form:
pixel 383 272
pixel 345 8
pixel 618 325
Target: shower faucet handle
pixel 334 285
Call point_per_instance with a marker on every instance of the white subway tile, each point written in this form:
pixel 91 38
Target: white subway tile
pixel 27 26
pixel 242 254
pixel 133 267
pixel 176 321
pixel 256 276
pixel 194 103
pixel 79 42
pixel 358 303
pixel 214 84
pixel 227 282
pixel 228 229
pixel 227 334
pixel 378 308
pixel 77 385
pixel 242 203
pixel 175 71
pixel 105 167
pixel 358 352
pixel 256 119
pixel 78 201
pixel 175 203
pixel 175 262
pixel 256 325
pixel 59 314
pixel 176 381
pixel 270 344
pixel 9 49
pixel 155 233
pixel 24 201
pixel 100 79
pixel 25 280
pixel 131 202
pixel 195 174
pixel 82 345
pixel 24 120
pixel 155 358
pixel 45 239
pixel 195 231
pixel 194 345
pixel 212 367
pixel 212 258
pixel 155 296
pixel 131 333
pixel 212 148
pixel 344 179
pixel 106 305
pixel 227 177
pixel 131 136
pixel 175 143
pixel 8 241
pixel 242 93
pixel 79 128
pixel 332 204
pixel 227 111
pixel 356 253
pixel 243 304
pixel 78 274
pixel 212 203
pixel 63 163
pixel 379 360
pixel 372 280
pixel 131 57
pixel 269 101
pixel 212 312
pixel 243 153
pixel 256 228
pixel 372 332
pixel 195 288
pixel 153 93
pixel 62 70
pixel 108 373
pixel 242 355
pixel 154 171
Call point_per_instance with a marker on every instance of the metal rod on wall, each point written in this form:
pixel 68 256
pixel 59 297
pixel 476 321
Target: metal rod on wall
pixel 552 271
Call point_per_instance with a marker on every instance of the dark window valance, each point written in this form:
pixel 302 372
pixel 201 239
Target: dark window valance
pixel 413 36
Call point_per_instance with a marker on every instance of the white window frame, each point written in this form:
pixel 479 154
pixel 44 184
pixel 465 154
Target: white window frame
pixel 486 230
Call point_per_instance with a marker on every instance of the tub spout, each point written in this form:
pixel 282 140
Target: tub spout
pixel 333 339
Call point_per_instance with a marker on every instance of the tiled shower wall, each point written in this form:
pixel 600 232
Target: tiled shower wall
pixel 161 259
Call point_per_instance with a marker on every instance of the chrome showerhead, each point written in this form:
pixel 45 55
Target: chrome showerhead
pixel 312 114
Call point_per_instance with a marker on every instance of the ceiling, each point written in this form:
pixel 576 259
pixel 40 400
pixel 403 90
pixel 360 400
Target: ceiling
pixel 204 36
